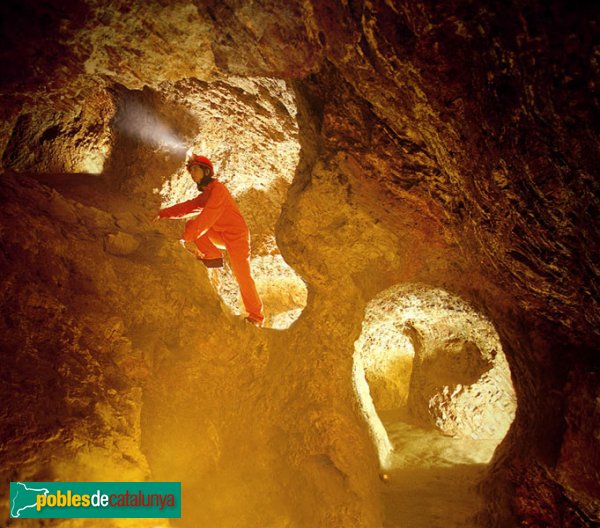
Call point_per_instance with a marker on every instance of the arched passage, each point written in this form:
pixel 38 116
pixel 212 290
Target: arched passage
pixel 248 128
pixel 435 388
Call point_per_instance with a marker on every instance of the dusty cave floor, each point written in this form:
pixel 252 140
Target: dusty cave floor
pixel 433 478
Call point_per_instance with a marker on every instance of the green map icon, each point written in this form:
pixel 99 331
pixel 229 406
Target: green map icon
pixel 23 498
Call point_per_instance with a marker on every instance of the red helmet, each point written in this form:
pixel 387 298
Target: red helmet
pixel 200 160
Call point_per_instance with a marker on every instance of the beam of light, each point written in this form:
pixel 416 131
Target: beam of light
pixel 138 121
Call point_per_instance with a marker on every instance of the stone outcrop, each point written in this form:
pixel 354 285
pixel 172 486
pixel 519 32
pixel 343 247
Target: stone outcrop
pixel 450 144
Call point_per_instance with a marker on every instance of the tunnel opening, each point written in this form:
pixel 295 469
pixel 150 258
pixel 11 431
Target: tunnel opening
pixel 76 140
pixel 134 143
pixel 248 128
pixel 435 389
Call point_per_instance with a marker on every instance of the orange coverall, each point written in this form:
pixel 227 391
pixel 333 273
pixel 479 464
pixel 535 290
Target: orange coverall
pixel 221 225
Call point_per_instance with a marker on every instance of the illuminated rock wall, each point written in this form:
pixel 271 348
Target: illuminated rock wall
pixel 428 351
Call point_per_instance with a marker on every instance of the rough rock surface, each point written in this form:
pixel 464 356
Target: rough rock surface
pixel 120 345
pixel 46 140
pixel 248 127
pixel 450 143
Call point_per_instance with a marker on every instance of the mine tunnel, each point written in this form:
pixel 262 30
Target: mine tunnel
pixel 435 388
pixel 420 186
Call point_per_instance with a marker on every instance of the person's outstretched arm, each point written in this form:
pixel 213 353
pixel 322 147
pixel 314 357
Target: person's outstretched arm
pixel 182 209
pixel 214 208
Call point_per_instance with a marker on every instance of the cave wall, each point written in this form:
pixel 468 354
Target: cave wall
pixel 488 115
pixel 452 144
pixel 506 110
pixel 75 141
pixel 71 370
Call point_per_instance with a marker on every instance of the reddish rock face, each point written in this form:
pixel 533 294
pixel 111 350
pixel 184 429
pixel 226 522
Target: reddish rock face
pixel 446 143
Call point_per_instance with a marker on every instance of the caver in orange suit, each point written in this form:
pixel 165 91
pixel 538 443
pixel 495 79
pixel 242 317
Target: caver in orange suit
pixel 221 225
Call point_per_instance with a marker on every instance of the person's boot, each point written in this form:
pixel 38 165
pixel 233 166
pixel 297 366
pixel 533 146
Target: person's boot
pixel 255 322
pixel 212 263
